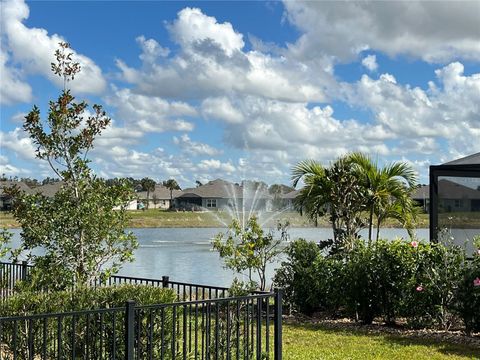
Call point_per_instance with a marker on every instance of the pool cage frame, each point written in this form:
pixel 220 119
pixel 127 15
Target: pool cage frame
pixel 468 167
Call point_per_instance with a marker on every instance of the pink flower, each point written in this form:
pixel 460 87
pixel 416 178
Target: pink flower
pixel 476 282
pixel 419 288
pixel 478 251
pixel 414 244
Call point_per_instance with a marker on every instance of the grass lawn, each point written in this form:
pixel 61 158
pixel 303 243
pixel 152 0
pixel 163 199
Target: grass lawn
pixel 170 219
pixel 316 342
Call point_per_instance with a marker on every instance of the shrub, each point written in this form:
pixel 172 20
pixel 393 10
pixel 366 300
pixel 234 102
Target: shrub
pixel 432 292
pixel 426 284
pixel 85 298
pixel 469 292
pixel 95 334
pixel 297 276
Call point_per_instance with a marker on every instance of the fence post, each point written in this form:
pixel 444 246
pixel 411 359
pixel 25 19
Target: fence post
pixel 277 325
pixel 129 329
pixel 165 280
pixel 24 270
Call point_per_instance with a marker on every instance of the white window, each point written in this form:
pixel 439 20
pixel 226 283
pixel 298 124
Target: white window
pixel 211 203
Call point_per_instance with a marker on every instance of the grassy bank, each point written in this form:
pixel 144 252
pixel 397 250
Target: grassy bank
pixel 171 219
pixel 308 341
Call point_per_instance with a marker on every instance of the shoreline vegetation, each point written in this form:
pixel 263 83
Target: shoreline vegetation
pixel 154 218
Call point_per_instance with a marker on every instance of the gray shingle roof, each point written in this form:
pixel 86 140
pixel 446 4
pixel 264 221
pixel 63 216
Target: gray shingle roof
pixel 221 189
pixel 161 193
pixel 467 160
pixel 291 195
pixel 48 189
pixel 20 184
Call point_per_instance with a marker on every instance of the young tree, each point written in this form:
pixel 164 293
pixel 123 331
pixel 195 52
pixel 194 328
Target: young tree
pixel 250 248
pixel 82 237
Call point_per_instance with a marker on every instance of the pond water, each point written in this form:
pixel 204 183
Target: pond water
pixel 185 254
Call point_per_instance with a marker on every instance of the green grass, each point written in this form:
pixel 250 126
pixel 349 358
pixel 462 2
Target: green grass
pixel 170 219
pixel 316 342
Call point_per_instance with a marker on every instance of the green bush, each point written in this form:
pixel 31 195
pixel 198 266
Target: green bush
pixel 297 276
pixel 469 293
pixel 431 294
pixel 85 298
pixel 425 284
pixel 96 333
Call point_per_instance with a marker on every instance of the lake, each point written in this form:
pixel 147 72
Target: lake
pixel 185 254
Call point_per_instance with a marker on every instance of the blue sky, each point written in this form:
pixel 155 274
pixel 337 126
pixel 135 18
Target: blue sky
pixel 235 90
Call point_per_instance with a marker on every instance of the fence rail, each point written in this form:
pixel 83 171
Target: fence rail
pixel 236 328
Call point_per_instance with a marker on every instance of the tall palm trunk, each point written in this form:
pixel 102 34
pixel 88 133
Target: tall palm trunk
pixel 370 225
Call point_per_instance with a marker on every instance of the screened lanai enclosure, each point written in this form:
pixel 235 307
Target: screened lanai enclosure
pixel 455 201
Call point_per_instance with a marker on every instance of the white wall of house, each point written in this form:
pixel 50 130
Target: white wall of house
pixel 157 204
pixel 132 205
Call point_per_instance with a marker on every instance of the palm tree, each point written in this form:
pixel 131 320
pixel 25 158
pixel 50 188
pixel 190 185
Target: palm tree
pixel 387 190
pixel 334 190
pixel 148 185
pixel 171 184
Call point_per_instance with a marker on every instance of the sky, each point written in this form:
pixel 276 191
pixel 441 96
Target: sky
pixel 246 90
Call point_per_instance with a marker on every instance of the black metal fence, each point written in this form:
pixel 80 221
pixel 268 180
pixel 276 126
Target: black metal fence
pixel 10 275
pixel 184 291
pixel 248 327
pixel 205 324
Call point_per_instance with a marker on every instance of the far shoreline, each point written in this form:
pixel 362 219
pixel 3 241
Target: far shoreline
pixel 154 218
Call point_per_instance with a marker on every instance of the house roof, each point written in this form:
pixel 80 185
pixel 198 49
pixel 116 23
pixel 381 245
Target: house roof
pixel 450 190
pixel 467 160
pixel 20 184
pixel 49 189
pixel 447 190
pixel 214 189
pixel 222 189
pixel 291 195
pixel 161 193
pixel 422 192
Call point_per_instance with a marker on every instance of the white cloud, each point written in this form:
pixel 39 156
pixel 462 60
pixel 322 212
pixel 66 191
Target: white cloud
pixel 34 49
pixel 448 110
pixel 211 62
pixel 13 88
pixel 150 113
pixel 435 31
pixel 18 142
pixel 193 147
pixel 222 109
pixel 151 50
pixel 214 164
pixel 11 170
pixel 192 27
pixel 370 62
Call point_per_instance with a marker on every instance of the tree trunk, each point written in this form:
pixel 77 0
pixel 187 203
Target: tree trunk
pixel 370 225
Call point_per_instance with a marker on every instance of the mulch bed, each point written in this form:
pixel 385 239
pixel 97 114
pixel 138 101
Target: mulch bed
pixel 378 328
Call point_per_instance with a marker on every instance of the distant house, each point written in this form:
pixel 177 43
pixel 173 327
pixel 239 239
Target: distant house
pixel 157 199
pixel 48 190
pixel 422 196
pixel 452 197
pixel 220 194
pixel 456 197
pixel 289 198
pixel 6 200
